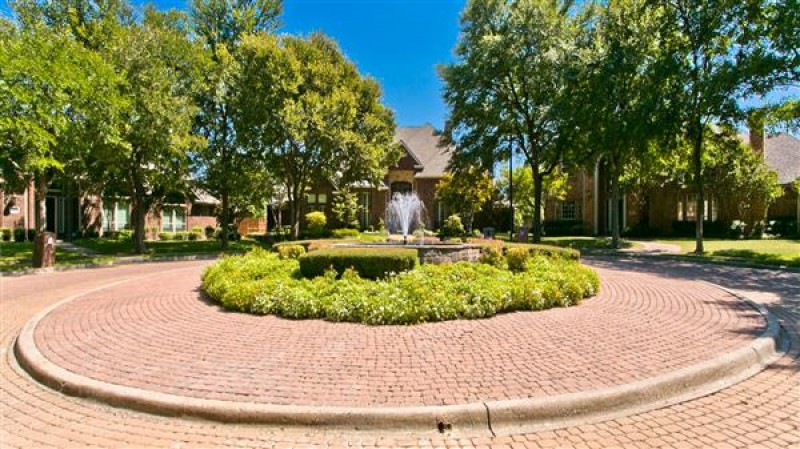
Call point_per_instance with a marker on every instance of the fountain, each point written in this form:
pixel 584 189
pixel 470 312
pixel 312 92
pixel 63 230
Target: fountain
pixel 404 212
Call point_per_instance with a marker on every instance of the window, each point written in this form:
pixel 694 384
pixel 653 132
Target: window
pixel 567 210
pixel 315 202
pixel 121 217
pixel 115 215
pixel 364 208
pixel 173 219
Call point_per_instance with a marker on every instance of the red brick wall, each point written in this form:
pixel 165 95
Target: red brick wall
pixel 426 190
pixel 785 206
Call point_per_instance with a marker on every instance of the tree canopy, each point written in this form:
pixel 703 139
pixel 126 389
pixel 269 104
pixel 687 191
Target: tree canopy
pixel 510 87
pixel 312 116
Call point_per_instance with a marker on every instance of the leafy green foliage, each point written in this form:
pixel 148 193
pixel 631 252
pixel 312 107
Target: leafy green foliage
pixel 369 263
pixel 345 208
pixel 452 227
pixel 311 113
pixel 511 87
pixel 626 90
pixel 316 223
pixel 346 233
pixel 220 26
pixel 465 192
pixel 554 187
pixel 291 251
pixel 57 101
pixel 517 259
pixel 262 283
pixel 492 256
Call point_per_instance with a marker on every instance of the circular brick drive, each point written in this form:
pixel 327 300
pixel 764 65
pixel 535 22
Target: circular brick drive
pixel 161 335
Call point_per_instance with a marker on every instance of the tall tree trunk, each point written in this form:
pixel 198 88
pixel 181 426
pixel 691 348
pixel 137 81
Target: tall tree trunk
pixel 41 204
pixel 538 180
pixel 294 210
pixel 139 212
pixel 614 207
pixel 226 218
pixel 697 154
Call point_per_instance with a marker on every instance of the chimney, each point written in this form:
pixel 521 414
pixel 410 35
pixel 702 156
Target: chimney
pixel 756 124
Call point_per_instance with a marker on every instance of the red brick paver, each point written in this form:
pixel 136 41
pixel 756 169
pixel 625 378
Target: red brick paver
pixel 760 412
pixel 161 336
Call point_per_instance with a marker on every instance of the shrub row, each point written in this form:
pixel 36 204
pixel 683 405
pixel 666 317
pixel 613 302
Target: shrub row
pixel 547 250
pixel 19 234
pixel 180 235
pixel 369 263
pixel 261 283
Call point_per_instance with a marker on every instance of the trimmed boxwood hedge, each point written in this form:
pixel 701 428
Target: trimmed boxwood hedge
pixel 547 250
pixel 369 263
pixel 261 283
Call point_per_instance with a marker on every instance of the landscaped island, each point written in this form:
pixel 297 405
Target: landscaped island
pixel 387 286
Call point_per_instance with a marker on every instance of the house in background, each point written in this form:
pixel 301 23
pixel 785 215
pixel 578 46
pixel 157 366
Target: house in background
pixel 668 209
pixel 70 212
pixel 422 165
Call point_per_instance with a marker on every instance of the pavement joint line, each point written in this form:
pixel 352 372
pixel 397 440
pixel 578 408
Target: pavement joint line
pixel 491 417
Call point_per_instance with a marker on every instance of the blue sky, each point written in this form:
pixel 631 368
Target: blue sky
pixel 399 42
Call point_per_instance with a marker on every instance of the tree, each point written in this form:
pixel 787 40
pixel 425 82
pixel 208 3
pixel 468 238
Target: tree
pixel 345 207
pixel 624 91
pixel 511 87
pixel 56 99
pixel 555 186
pixel 151 161
pixel 465 192
pixel 221 25
pixel 707 52
pixel 310 113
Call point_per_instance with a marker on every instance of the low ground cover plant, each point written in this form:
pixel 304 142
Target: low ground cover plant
pixel 262 283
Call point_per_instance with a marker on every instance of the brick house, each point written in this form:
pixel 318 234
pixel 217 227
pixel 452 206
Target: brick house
pixel 422 165
pixel 70 212
pixel 586 208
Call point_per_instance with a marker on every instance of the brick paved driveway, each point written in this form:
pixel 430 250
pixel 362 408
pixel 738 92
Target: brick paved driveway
pixel 760 412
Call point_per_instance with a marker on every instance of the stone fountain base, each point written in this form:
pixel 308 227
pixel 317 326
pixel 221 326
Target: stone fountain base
pixel 436 253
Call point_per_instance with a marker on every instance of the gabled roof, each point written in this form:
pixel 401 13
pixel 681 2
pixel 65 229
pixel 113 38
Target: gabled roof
pixel 782 155
pixel 423 143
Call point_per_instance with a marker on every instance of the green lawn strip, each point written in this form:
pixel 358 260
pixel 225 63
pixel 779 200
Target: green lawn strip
pixel 581 243
pixel 764 252
pixel 19 256
pixel 164 248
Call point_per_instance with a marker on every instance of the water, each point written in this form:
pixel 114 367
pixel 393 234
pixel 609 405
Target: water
pixel 404 213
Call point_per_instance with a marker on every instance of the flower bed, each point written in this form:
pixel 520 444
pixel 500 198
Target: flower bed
pixel 262 283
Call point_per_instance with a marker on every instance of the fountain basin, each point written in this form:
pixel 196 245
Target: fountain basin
pixel 435 253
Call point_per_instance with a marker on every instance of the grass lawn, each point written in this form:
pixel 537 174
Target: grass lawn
pixel 581 243
pixel 18 256
pixel 124 247
pixel 767 251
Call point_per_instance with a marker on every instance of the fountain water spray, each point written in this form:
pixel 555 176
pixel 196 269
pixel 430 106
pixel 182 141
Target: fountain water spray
pixel 404 213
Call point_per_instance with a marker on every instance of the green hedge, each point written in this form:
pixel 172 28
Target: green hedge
pixel 261 283
pixel 369 263
pixel 345 233
pixel 547 250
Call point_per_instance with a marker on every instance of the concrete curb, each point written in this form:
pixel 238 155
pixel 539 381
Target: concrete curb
pixel 491 417
pixel 128 260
